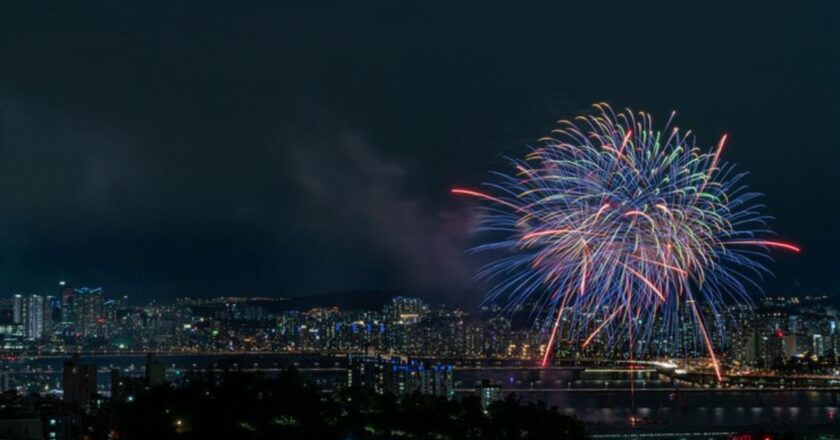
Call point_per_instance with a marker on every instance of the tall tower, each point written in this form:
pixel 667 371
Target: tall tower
pixel 79 381
pixel 68 304
pixel 34 317
pixel 88 311
pixel 17 307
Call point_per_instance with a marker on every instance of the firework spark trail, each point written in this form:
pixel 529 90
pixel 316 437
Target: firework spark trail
pixel 609 216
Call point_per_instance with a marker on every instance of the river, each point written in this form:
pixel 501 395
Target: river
pixel 605 399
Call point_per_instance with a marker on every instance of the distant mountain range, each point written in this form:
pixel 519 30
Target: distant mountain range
pixel 370 299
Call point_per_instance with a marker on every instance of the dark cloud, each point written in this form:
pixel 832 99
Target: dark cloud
pixel 287 148
pixel 55 164
pixel 353 194
pixel 125 206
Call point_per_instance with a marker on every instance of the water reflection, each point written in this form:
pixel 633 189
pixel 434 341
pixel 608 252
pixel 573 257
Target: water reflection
pixel 601 397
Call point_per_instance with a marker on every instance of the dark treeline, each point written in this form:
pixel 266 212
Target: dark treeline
pixel 249 406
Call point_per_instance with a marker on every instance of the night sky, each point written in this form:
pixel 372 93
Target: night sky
pixel 168 149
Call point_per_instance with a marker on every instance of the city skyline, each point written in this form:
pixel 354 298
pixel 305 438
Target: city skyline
pixel 79 354
pixel 771 336
pixel 375 220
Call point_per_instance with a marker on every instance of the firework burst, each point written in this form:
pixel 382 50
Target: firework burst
pixel 611 228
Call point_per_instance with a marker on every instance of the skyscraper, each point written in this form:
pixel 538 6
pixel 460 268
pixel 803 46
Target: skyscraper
pixel 819 345
pixel 87 308
pixel 79 381
pixel 17 306
pixel 488 393
pixel 52 314
pixel 68 308
pixel 34 317
pixel 155 371
pixel 401 376
pixel 28 314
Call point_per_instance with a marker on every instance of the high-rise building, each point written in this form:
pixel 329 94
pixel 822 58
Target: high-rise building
pixel 87 308
pixel 774 355
pixel 33 319
pixel 17 306
pixel 488 393
pixel 819 345
pixel 7 317
pixel 79 381
pixel 401 376
pixel 28 314
pixel 11 334
pixel 4 377
pixel 52 314
pixel 403 310
pixel 155 371
pixel 790 346
pixel 68 309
